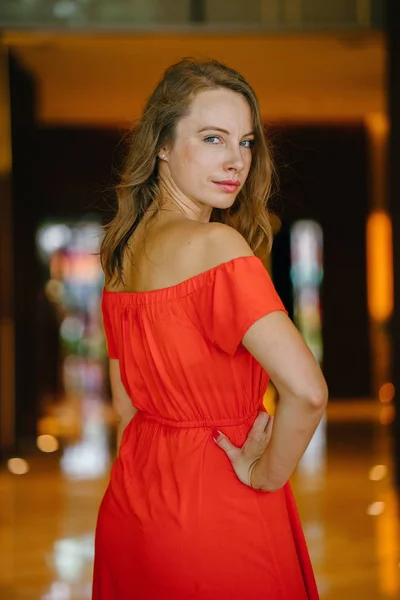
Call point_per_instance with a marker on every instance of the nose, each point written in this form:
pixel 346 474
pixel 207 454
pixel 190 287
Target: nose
pixel 234 161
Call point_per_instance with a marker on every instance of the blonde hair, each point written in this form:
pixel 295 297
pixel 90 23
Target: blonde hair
pixel 139 187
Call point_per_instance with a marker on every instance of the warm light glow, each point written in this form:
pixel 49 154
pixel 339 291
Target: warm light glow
pixel 47 443
pixel 387 415
pixel 269 399
pixel 378 473
pixel 380 266
pixel 386 393
pixel 17 466
pixel 387 538
pixel 376 508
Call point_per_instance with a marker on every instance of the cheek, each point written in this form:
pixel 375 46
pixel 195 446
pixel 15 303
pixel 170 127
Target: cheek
pixel 198 155
pixel 185 155
pixel 196 162
pixel 247 163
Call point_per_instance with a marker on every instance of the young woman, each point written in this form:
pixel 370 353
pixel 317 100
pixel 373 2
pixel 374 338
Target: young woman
pixel 199 505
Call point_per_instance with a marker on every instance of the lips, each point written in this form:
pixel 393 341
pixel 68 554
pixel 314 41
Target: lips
pixel 228 186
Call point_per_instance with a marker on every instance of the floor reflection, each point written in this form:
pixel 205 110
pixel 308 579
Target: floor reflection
pixel 71 559
pixel 351 516
pixel 89 457
pixel 344 488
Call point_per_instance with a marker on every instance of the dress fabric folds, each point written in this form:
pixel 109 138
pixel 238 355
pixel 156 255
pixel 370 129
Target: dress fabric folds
pixel 175 522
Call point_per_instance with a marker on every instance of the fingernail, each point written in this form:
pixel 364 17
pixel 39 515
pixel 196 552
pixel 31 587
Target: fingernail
pixel 215 434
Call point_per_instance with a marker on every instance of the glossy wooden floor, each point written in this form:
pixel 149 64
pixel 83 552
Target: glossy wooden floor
pixel 343 487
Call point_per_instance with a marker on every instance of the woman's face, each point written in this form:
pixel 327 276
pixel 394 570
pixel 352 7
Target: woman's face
pixel 210 158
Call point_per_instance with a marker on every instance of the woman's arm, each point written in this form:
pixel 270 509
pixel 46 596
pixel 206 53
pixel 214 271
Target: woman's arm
pixel 277 345
pixel 120 400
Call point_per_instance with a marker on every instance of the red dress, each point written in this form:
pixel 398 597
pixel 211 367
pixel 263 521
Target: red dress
pixel 175 522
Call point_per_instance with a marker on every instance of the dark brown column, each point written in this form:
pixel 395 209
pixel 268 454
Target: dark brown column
pixel 7 325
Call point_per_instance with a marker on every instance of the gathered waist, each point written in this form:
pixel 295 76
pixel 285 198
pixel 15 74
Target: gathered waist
pixel 205 424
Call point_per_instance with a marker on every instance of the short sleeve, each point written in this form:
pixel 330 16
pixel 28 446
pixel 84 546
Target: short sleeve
pixel 242 292
pixel 112 350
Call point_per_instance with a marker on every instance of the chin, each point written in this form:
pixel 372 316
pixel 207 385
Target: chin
pixel 223 203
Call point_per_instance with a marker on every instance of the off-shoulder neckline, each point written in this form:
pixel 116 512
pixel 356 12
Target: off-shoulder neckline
pixel 186 286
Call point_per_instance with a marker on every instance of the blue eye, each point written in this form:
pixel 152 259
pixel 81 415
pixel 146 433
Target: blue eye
pixel 215 139
pixel 247 144
pixel 210 139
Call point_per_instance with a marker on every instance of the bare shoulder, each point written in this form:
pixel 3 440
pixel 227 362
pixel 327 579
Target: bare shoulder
pixel 218 243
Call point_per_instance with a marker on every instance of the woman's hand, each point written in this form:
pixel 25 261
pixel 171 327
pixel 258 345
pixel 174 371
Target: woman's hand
pixel 245 459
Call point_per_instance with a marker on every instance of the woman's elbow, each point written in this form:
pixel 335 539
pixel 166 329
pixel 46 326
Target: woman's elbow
pixel 317 397
pixel 124 411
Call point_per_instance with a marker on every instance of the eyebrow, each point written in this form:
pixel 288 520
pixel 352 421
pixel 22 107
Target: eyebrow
pixel 212 128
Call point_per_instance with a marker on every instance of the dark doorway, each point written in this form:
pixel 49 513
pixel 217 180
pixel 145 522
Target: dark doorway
pixel 323 172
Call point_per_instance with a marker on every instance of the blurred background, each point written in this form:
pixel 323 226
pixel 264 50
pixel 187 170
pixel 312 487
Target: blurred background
pixel 74 76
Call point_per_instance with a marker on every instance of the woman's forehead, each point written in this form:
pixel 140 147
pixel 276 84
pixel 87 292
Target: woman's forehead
pixel 219 108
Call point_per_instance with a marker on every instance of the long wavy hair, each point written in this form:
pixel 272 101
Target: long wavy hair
pixel 138 187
